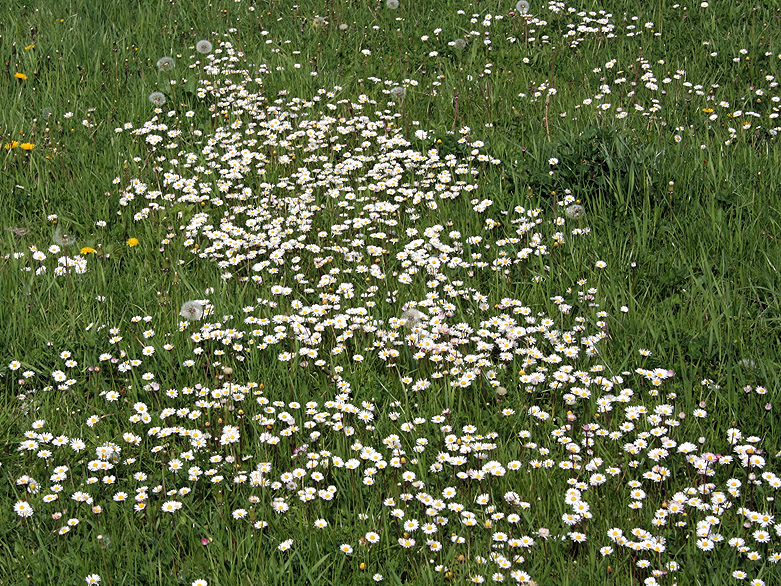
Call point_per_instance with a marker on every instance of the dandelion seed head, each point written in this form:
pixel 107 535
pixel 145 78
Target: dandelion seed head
pixel 165 63
pixel 191 310
pixel 157 98
pixel 62 238
pixel 398 92
pixel 575 211
pixel 203 47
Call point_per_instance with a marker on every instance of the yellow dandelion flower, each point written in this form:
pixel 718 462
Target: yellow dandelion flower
pixel 18 75
pixel 132 241
pixel 88 250
pixel 27 146
pixel 12 145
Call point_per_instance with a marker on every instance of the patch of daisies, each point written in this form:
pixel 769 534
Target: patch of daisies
pixel 372 252
pixel 460 497
pixel 652 89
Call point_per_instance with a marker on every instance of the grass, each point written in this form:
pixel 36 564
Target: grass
pixel 414 364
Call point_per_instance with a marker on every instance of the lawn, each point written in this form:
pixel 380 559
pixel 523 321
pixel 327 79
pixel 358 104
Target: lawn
pixel 390 292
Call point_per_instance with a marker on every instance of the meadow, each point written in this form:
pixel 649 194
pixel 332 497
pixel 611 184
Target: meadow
pixel 398 292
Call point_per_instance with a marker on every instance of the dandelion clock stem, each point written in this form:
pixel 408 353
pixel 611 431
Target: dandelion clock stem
pixel 105 566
